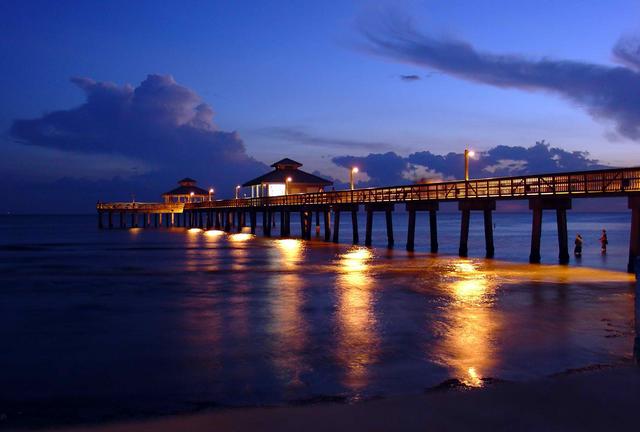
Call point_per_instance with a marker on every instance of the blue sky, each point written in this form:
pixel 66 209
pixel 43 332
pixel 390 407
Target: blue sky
pixel 298 79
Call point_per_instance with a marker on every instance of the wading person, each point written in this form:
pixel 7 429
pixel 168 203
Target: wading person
pixel 604 241
pixel 578 249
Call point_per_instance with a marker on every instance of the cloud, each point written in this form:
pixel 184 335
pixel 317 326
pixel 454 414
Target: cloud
pixel 163 128
pixel 410 78
pixel 606 92
pixel 385 169
pixel 299 136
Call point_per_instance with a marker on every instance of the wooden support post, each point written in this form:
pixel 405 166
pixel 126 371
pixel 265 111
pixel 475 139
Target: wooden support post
pixel 239 216
pixel 411 231
pixel 354 226
pixel 283 222
pixel 173 216
pixel 368 227
pixel 634 235
pixel 100 226
pixel 218 220
pixel 488 233
pixel 200 224
pixel 303 224
pixel 269 225
pixel 317 223
pixel 463 250
pixel 287 223
pixel 336 225
pixel 144 220
pixel 327 224
pixel 110 216
pixel 389 217
pixel 155 220
pixel 563 236
pixel 228 220
pixel 160 218
pixel 536 233
pixel 252 217
pixel 433 230
pixel 134 221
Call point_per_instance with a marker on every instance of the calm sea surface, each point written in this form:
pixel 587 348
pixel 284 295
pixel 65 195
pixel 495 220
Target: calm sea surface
pixel 106 324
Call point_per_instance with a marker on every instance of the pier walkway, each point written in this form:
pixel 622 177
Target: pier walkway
pixel 543 192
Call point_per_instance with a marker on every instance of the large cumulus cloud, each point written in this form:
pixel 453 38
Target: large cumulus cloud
pixel 606 92
pixel 393 169
pixel 162 127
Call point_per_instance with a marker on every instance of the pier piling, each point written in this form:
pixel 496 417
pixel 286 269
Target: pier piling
pixel 634 235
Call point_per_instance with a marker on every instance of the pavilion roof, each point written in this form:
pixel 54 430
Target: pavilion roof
pixel 297 177
pixel 186 190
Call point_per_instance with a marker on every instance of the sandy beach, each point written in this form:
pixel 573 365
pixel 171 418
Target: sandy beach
pixel 599 398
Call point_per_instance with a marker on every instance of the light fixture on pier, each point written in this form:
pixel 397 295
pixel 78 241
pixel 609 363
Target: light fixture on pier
pixel 467 154
pixel 352 173
pixel 286 186
pixel 237 191
pixel 191 196
pixel 211 191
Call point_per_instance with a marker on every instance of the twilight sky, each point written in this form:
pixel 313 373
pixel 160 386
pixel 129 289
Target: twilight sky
pixel 104 99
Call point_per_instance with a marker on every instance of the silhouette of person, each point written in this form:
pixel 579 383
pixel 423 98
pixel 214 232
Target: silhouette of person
pixel 578 248
pixel 604 241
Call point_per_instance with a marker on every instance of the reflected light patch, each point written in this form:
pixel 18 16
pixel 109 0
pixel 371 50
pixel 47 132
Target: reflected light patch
pixel 195 230
pixel 240 237
pixel 355 260
pixel 214 233
pixel 464 267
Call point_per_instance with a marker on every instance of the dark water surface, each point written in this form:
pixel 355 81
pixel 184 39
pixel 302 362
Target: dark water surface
pixel 106 324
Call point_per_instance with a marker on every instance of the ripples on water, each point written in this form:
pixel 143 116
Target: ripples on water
pixel 145 321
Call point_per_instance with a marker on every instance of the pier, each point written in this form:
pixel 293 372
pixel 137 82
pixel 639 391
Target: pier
pixel 550 192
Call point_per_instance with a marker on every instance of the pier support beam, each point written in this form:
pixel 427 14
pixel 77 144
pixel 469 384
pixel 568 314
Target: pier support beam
pixel 433 230
pixel 155 220
pixel 317 223
pixel 123 222
pixel 354 225
pixel 368 227
pixel 327 224
pixel 110 216
pixel 228 221
pixel 252 221
pixel 100 225
pixel 487 206
pixel 412 208
pixel 560 205
pixel 336 225
pixel 634 236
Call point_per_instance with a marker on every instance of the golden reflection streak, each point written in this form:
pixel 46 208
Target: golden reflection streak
pixel 240 237
pixel 289 324
pixel 214 233
pixel 468 346
pixel 357 339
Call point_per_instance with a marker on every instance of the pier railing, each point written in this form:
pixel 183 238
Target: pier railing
pixel 609 182
pixel 141 207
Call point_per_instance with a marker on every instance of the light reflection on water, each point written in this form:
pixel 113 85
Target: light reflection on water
pixel 357 343
pixel 238 319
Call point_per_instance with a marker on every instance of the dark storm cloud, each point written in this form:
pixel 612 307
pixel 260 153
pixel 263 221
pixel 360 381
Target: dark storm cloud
pixel 606 92
pixel 391 168
pixel 298 136
pixel 163 124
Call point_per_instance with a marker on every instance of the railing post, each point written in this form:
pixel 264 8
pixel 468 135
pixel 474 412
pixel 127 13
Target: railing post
pixel 636 344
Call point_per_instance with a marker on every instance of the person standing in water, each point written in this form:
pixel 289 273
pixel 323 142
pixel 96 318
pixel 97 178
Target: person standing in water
pixel 604 241
pixel 578 249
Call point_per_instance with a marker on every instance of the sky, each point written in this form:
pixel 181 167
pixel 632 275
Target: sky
pixel 105 100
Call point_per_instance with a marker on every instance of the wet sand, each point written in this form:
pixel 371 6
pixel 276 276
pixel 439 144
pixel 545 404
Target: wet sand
pixel 601 398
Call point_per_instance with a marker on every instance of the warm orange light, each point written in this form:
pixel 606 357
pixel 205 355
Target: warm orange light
pixel 214 233
pixel 471 153
pixel 354 170
pixel 289 179
pixel 211 190
pixel 195 230
pixel 240 237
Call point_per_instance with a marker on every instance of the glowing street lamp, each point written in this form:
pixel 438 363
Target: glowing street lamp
pixel 467 154
pixel 191 197
pixel 352 174
pixel 210 193
pixel 286 186
pixel 237 191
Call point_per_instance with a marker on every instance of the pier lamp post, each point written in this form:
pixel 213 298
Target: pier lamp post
pixel 237 191
pixel 210 193
pixel 191 197
pixel 467 154
pixel 286 186
pixel 352 174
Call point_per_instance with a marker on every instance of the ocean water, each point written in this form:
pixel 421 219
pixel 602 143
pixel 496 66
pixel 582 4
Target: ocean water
pixel 107 324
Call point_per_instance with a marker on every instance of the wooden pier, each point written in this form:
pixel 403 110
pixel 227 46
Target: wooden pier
pixel 543 192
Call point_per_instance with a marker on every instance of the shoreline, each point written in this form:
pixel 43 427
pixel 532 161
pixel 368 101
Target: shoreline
pixel 596 397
